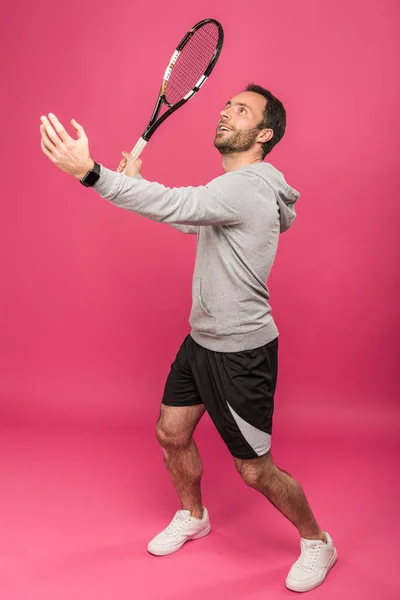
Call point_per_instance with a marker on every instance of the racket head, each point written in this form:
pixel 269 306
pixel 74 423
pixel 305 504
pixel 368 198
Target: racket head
pixel 192 62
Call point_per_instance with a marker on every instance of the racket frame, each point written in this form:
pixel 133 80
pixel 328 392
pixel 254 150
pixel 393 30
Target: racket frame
pixel 155 123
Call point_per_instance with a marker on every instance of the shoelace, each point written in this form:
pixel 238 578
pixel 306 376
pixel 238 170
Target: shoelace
pixel 176 524
pixel 308 556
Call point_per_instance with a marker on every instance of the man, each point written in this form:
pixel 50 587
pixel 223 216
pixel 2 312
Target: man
pixel 227 366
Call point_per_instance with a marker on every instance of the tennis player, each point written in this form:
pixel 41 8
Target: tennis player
pixel 228 363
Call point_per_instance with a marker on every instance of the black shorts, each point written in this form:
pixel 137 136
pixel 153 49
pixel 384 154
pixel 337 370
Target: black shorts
pixel 236 388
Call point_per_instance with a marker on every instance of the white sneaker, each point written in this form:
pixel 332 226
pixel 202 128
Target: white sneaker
pixel 182 528
pixel 313 565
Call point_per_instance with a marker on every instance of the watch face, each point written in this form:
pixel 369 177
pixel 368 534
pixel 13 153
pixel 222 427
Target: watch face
pixel 91 176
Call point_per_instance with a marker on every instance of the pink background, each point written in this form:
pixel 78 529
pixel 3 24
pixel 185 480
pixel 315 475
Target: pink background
pixel 95 300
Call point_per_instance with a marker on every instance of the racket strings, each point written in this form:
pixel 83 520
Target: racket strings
pixel 194 59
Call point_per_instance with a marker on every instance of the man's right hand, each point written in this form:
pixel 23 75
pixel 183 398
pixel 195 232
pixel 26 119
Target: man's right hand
pixel 132 166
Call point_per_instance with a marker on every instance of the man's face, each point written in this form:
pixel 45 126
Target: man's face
pixel 237 129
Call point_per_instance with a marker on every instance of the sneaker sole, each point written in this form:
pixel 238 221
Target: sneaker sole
pixel 165 552
pixel 311 586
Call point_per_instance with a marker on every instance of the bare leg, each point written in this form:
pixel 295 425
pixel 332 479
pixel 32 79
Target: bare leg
pixel 284 492
pixel 174 432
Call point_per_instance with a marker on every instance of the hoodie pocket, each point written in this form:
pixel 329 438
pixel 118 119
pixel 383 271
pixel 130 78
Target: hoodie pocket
pixel 201 319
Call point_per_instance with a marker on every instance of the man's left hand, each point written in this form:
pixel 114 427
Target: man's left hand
pixel 69 155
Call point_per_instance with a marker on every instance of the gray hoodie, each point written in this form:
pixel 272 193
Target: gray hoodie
pixel 237 218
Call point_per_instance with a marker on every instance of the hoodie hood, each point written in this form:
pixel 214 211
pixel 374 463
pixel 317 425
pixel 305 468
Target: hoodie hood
pixel 285 195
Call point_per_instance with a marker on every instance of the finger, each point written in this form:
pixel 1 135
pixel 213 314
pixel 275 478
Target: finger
pixel 122 165
pixel 46 140
pixel 46 151
pixel 51 134
pixel 64 135
pixel 79 129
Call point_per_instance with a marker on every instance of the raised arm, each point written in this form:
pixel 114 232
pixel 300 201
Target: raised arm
pixel 218 203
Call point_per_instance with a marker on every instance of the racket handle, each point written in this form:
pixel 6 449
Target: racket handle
pixel 138 149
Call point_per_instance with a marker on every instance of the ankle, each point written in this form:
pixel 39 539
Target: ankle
pixel 317 537
pixel 197 512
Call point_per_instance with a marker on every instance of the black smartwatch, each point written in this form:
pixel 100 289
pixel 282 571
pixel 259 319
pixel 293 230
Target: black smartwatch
pixel 91 176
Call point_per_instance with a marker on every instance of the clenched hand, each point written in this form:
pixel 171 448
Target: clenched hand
pixel 132 166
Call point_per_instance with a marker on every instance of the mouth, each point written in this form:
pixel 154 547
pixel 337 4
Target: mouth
pixel 223 127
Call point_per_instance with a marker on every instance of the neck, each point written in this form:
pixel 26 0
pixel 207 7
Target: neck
pixel 236 160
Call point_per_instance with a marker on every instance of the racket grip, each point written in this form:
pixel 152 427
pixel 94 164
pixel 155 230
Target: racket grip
pixel 138 149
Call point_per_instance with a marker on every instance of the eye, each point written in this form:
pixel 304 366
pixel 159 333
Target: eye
pixel 243 110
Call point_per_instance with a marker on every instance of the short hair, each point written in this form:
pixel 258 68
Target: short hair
pixel 274 117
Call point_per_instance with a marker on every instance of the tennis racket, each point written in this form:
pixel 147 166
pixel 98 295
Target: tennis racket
pixel 190 66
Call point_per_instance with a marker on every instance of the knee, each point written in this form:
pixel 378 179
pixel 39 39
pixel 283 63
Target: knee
pixel 257 473
pixel 170 438
pixel 251 475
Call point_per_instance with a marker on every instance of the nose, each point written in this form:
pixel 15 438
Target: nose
pixel 224 114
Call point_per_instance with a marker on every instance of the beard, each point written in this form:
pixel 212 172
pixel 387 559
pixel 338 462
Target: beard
pixel 236 141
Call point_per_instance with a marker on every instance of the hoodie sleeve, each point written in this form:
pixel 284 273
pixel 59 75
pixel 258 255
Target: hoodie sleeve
pixel 193 229
pixel 217 203
pixel 185 228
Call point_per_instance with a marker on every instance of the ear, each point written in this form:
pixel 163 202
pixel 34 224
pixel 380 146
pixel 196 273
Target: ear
pixel 265 135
